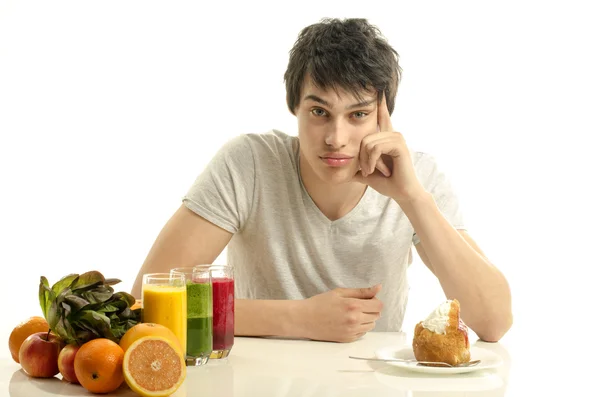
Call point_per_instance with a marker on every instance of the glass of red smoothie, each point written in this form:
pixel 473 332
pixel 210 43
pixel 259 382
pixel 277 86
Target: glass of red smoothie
pixel 223 309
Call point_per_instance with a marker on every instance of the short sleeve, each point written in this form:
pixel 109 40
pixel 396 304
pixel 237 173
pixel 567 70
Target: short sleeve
pixel 439 186
pixel 223 193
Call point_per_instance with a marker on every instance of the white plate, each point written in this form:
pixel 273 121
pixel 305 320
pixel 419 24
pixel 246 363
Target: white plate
pixel 488 360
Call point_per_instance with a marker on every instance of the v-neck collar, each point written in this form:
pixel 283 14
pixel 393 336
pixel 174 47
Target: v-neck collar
pixel 311 203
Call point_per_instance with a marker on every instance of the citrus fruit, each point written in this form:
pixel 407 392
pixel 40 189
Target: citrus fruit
pixel 99 365
pixel 147 329
pixel 22 331
pixel 154 367
pixel 136 305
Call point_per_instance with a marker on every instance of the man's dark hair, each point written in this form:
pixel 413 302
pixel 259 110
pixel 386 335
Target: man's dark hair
pixel 348 54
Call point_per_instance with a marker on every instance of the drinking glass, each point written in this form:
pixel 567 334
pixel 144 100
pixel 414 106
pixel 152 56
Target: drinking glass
pixel 223 308
pixel 199 314
pixel 164 301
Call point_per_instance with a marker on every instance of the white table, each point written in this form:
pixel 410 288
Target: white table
pixel 280 367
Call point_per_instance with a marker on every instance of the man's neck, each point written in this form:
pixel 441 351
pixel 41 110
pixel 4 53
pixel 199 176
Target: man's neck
pixel 334 201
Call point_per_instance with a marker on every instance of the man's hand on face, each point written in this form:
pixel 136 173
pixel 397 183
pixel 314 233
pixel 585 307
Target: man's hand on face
pixel 385 161
pixel 341 315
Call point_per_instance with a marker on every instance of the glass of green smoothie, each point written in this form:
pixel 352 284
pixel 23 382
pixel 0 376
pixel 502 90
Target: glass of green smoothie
pixel 199 314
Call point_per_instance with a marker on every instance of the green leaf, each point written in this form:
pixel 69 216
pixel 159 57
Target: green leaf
pixel 79 308
pixel 114 319
pixel 43 294
pixel 84 335
pixel 118 331
pixel 65 331
pixel 51 297
pixel 126 313
pixel 67 309
pixel 108 308
pixel 121 304
pixel 53 314
pixel 129 314
pixel 126 297
pixel 76 302
pixel 59 330
pixel 83 326
pixel 99 322
pixel 87 280
pixel 59 301
pixel 64 282
pixel 120 328
pixel 98 295
pixel 60 296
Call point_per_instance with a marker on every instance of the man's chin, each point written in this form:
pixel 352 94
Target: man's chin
pixel 337 176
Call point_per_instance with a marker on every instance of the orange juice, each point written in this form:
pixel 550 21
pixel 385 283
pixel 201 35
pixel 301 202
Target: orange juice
pixel 166 305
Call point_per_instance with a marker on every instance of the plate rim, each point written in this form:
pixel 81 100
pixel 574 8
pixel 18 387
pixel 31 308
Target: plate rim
pixel 496 361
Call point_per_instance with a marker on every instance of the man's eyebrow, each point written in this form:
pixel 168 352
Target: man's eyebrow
pixel 317 99
pixel 361 104
pixel 324 102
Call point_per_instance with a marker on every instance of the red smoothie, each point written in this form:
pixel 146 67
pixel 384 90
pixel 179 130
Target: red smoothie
pixel 223 311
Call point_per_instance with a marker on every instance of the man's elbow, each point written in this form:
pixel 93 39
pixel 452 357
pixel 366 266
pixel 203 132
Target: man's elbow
pixel 495 330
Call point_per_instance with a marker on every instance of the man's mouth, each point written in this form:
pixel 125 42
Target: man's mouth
pixel 336 159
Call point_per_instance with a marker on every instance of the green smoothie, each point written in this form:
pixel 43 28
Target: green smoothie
pixel 200 318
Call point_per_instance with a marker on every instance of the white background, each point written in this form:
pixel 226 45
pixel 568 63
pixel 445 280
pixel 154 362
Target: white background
pixel 109 110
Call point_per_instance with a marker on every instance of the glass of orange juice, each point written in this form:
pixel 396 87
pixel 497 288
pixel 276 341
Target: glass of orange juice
pixel 164 301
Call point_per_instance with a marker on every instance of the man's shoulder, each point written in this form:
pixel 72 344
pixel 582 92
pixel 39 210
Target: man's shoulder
pixel 273 140
pixel 271 148
pixel 261 145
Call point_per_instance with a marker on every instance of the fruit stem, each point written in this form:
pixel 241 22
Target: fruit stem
pixel 48 334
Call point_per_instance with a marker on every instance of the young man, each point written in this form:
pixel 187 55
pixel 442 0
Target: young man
pixel 319 227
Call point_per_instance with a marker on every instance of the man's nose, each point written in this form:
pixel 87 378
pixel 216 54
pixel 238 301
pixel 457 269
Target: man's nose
pixel 337 136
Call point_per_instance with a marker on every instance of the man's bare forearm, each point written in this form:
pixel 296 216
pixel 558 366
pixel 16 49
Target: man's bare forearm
pixel 463 273
pixel 268 318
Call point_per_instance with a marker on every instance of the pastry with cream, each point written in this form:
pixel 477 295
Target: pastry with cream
pixel 443 336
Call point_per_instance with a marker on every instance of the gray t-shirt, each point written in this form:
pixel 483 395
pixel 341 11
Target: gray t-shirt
pixel 284 247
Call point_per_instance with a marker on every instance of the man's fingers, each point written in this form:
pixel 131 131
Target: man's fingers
pixel 383 115
pixel 371 148
pixel 372 306
pixel 364 328
pixel 360 307
pixel 374 152
pixel 367 318
pixel 380 165
pixel 363 159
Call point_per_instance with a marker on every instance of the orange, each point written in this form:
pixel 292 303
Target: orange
pixel 136 305
pixel 154 367
pixel 22 331
pixel 147 329
pixel 99 365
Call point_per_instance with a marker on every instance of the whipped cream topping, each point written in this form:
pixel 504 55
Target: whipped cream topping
pixel 438 319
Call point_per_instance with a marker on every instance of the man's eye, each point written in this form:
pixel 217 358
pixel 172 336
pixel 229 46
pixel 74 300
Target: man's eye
pixel 360 115
pixel 319 112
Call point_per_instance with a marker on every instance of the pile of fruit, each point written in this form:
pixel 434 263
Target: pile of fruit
pixel 94 337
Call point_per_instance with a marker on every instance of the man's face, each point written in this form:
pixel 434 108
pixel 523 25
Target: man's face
pixel 331 126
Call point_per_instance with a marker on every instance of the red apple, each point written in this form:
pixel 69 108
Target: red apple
pixel 38 355
pixel 66 363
